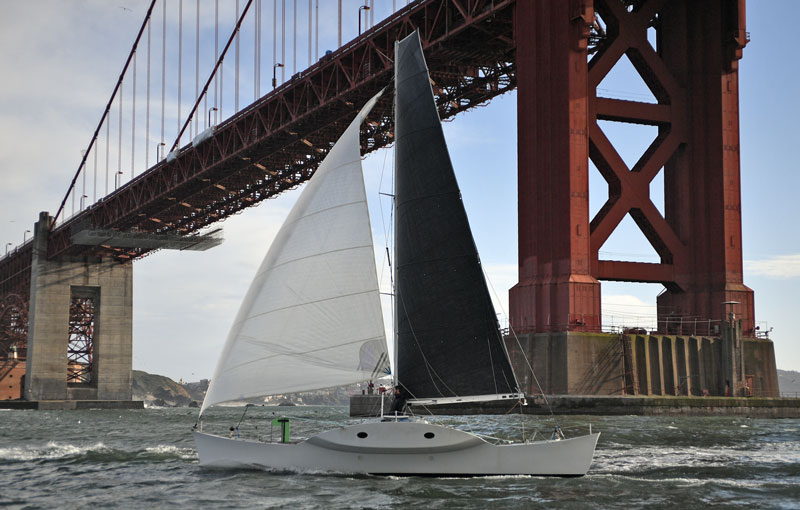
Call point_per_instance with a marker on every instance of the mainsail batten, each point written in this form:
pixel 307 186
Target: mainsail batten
pixel 312 317
pixel 448 339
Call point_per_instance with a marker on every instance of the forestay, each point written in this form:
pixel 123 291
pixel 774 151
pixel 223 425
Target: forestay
pixel 312 317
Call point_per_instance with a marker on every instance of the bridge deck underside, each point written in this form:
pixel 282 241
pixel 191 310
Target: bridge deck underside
pixel 276 143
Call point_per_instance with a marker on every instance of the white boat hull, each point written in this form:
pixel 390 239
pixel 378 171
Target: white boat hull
pixel 402 448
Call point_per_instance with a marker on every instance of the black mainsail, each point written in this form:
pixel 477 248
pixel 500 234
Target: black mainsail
pixel 448 340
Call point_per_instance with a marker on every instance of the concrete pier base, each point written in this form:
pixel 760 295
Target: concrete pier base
pixel 55 284
pixel 70 405
pixel 369 405
pixel 577 363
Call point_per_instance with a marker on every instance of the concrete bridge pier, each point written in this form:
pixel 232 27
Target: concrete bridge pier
pixel 80 328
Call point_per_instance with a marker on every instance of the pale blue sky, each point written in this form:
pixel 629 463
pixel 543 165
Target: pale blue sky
pixel 61 59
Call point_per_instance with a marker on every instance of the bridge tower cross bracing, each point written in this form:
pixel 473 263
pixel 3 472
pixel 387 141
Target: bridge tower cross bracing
pixel 687 54
pixel 693 74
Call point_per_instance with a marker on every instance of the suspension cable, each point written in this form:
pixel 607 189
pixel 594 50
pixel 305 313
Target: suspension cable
pixel 105 113
pixel 213 72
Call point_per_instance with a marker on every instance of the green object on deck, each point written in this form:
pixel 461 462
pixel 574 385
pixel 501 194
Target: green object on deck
pixel 284 424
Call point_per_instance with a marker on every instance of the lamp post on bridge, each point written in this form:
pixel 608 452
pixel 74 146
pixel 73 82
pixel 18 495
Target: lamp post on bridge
pixel 362 8
pixel 25 236
pixel 274 77
pixel 212 109
pixel 158 150
pixel 7 245
pixel 117 179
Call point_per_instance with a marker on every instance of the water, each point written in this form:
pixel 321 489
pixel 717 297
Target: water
pixel 146 460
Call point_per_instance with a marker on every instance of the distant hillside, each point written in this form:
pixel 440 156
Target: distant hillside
pixel 789 381
pixel 159 390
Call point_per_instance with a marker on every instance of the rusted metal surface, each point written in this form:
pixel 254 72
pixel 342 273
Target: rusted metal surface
pixel 13 326
pixel 80 348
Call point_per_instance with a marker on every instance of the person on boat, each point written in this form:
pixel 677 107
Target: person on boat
pixel 400 398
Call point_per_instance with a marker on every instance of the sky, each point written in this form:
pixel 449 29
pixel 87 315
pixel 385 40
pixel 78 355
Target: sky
pixel 61 59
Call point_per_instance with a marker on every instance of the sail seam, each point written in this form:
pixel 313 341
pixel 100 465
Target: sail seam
pixel 296 305
pixel 415 199
pixel 303 353
pixel 307 257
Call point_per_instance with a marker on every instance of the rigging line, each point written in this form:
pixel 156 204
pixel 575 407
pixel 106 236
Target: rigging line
pixel 502 310
pixel 428 365
pixel 214 71
pixel 105 114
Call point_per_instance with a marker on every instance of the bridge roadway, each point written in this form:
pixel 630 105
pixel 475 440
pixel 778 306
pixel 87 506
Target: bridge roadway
pixel 277 142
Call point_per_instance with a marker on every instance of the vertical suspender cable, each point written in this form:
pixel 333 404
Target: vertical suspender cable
pixel 119 148
pixel 371 13
pixel 316 34
pixel 255 49
pixel 108 146
pixel 216 54
pixel 94 190
pixel 83 194
pixel 104 116
pixel 294 40
pixel 274 33
pixel 340 24
pixel 236 66
pixel 197 63
pixel 236 30
pixel 133 120
pixel 283 40
pixel 310 18
pixel 163 68
pixel 221 87
pixel 180 61
pixel 147 109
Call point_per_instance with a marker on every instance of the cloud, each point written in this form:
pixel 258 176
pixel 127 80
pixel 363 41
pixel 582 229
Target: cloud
pixel 780 267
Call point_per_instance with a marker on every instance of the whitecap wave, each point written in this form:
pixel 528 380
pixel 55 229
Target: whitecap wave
pixel 172 450
pixel 50 451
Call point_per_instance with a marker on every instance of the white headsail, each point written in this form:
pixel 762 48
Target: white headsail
pixel 312 316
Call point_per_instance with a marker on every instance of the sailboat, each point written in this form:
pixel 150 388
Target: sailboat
pixel 312 317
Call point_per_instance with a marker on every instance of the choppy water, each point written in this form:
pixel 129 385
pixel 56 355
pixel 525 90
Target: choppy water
pixel 146 460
